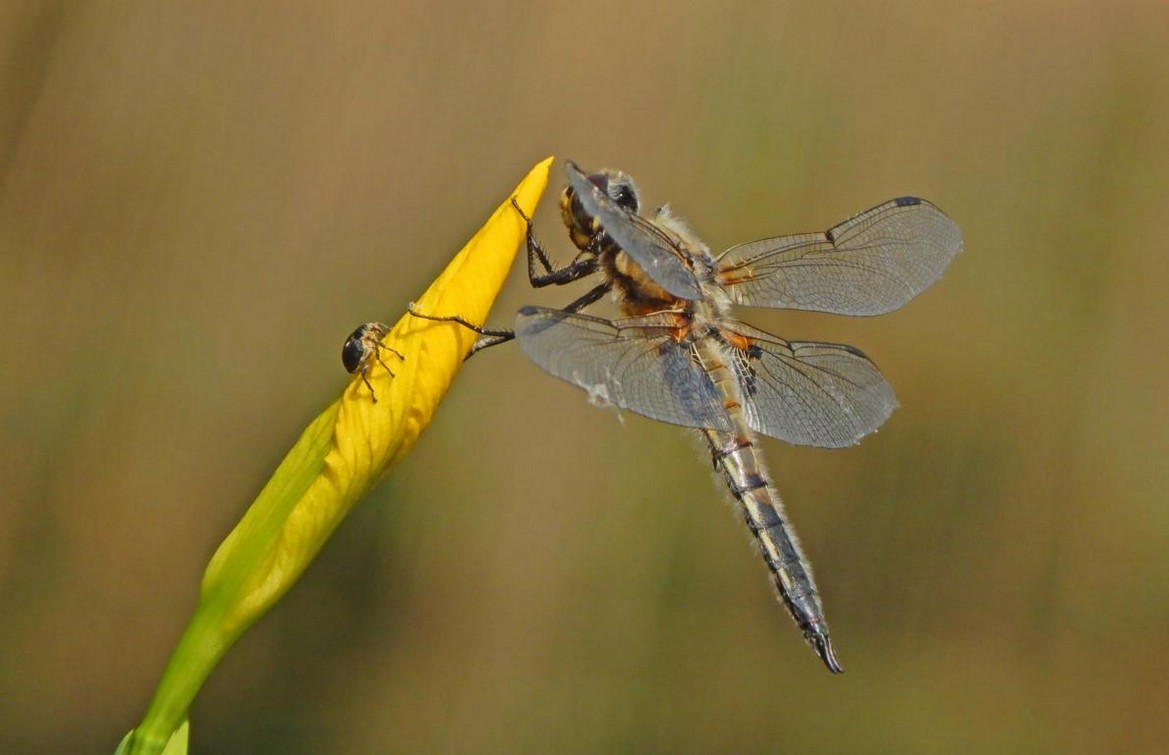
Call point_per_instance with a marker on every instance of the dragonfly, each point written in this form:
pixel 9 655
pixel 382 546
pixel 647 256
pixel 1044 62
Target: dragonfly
pixel 678 355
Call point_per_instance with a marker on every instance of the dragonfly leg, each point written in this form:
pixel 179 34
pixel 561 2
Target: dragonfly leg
pixel 486 342
pixel 594 295
pixel 538 259
pixel 489 337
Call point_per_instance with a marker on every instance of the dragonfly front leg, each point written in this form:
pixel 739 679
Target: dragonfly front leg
pixel 582 265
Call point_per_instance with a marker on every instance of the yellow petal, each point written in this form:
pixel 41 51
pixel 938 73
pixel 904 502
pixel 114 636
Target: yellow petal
pixel 340 456
pixel 369 438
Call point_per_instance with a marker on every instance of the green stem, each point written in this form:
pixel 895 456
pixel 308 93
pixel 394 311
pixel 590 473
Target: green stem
pixel 199 650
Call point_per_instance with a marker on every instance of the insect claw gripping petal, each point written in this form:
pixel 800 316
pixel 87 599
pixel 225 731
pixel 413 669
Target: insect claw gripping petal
pixel 516 204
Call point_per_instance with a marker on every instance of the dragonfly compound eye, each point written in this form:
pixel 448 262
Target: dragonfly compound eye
pixel 621 190
pixel 619 187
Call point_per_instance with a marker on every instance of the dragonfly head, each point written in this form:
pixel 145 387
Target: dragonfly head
pixel 582 226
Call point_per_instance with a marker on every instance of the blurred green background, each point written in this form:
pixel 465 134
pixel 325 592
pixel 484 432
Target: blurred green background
pixel 197 204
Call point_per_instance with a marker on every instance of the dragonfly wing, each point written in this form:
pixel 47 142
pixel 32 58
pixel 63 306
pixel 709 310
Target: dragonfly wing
pixel 868 265
pixel 636 364
pixel 810 393
pixel 651 249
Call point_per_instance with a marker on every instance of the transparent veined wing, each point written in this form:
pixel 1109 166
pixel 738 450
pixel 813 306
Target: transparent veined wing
pixel 868 265
pixel 635 364
pixel 804 392
pixel 810 393
pixel 647 245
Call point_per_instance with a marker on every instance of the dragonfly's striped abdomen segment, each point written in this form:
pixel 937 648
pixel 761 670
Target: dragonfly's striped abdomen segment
pixel 741 463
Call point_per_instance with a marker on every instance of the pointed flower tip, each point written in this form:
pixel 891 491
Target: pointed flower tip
pixel 368 437
pixel 433 352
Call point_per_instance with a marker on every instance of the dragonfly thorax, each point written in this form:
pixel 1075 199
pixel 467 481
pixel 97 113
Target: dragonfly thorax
pixel 633 289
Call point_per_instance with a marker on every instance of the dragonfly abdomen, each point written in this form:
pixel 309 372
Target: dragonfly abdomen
pixel 762 510
pixel 741 463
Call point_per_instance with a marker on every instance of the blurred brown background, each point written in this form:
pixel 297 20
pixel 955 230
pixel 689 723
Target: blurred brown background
pixel 197 204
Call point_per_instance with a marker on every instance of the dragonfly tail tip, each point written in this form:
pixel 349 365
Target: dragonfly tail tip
pixel 828 655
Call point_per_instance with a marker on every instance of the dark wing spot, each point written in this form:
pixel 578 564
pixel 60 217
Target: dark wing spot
pixel 906 201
